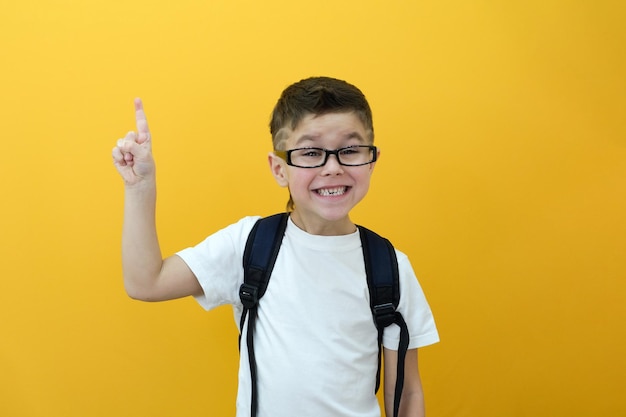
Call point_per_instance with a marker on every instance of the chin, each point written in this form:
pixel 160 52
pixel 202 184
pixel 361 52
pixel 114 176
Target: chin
pixel 334 216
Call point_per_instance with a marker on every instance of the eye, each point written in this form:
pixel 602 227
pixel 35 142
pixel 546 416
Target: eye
pixel 350 151
pixel 310 152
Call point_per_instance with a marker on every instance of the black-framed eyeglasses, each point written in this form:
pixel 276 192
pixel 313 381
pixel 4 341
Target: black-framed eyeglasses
pixel 351 156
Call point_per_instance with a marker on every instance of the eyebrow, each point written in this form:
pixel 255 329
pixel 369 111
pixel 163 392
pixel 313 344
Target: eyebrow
pixel 313 138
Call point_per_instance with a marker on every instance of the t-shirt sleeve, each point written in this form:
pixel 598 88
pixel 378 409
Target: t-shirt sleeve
pixel 414 309
pixel 217 263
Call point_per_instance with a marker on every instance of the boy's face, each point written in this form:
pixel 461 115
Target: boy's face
pixel 324 196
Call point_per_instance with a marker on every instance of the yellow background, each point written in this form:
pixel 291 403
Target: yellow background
pixel 502 176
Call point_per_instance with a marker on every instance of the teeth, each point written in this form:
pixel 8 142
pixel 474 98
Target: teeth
pixel 331 191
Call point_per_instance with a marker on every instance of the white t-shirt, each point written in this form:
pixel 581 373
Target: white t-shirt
pixel 315 340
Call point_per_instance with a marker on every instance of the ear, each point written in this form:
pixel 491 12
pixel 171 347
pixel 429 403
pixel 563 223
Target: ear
pixel 278 167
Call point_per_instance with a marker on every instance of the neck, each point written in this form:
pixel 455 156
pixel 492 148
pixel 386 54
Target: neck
pixel 323 227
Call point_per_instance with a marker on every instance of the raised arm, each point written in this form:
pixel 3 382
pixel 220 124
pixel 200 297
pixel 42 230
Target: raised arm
pixel 147 276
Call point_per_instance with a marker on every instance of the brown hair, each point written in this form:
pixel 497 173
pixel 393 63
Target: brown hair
pixel 317 96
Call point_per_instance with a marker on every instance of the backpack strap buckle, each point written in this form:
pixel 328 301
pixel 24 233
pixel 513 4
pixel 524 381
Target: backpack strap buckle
pixel 384 314
pixel 249 295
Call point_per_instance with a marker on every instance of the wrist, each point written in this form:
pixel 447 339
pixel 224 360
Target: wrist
pixel 143 187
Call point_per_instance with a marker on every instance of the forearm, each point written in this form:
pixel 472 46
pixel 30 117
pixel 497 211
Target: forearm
pixel 411 404
pixel 412 398
pixel 414 405
pixel 141 253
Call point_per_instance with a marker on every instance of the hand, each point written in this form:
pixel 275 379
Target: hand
pixel 132 156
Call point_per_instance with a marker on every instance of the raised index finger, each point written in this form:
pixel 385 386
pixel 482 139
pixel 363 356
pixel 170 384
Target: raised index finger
pixel 143 132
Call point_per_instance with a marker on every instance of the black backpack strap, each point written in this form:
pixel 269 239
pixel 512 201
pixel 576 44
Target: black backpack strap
pixel 259 257
pixel 383 280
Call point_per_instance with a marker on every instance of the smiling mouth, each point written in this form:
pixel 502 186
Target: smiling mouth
pixel 328 192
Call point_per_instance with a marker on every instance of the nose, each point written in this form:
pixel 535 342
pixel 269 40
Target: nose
pixel 332 166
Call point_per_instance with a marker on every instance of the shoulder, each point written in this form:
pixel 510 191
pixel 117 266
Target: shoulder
pixel 402 258
pixel 237 231
pixel 240 229
pixel 228 239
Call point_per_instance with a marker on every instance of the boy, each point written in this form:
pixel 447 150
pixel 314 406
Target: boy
pixel 315 340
